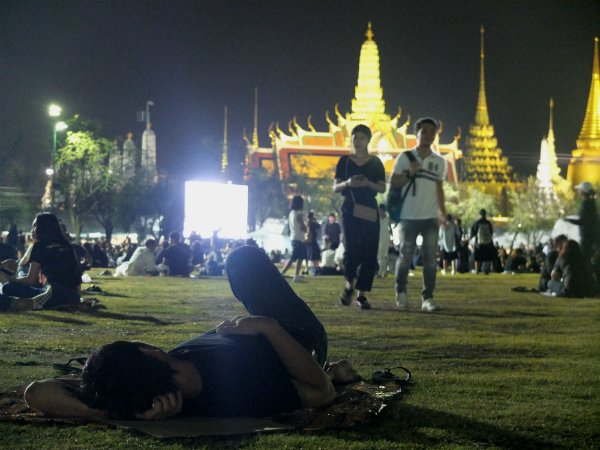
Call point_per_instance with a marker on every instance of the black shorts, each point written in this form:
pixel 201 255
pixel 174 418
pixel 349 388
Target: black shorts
pixel 449 256
pixel 485 252
pixel 298 251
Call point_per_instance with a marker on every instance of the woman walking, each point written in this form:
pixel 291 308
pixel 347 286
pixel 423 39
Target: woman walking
pixel 313 252
pixel 359 177
pixel 297 230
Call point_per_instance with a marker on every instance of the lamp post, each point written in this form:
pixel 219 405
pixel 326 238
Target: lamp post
pixel 54 111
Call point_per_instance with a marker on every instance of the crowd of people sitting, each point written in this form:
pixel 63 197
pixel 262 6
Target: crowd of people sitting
pixel 47 264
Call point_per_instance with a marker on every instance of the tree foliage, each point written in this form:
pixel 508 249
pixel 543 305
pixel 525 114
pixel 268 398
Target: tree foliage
pixel 82 175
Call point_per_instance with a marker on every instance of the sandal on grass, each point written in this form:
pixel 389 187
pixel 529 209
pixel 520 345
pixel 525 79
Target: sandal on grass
pixel 346 296
pixel 362 302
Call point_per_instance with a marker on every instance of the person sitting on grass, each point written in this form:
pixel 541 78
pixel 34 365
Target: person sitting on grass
pixel 571 276
pixel 141 262
pixel 176 258
pixel 259 365
pixel 54 259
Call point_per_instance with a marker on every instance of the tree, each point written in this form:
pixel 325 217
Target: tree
pixel 534 211
pixel 82 175
pixel 266 197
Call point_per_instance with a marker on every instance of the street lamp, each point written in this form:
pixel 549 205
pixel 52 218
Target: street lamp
pixel 59 126
pixel 54 110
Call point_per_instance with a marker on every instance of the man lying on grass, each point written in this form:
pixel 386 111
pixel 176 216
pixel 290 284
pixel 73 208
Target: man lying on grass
pixel 260 365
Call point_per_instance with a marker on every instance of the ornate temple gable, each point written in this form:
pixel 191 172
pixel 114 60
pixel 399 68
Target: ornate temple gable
pixel 585 164
pixel 304 150
pixel 484 163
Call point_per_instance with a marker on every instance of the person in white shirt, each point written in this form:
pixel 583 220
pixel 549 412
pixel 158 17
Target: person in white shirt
pixel 449 236
pixel 141 261
pixel 423 210
pixel 384 240
pixel 297 230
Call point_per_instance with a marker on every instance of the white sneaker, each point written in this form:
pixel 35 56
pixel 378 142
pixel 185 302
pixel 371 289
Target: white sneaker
pixel 474 272
pixel 402 300
pixel 40 300
pixel 443 272
pixel 453 272
pixel 429 305
pixel 299 280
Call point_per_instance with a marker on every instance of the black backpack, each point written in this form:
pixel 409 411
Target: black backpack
pixel 395 198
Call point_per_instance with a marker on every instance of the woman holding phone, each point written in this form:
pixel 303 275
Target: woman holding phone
pixel 359 177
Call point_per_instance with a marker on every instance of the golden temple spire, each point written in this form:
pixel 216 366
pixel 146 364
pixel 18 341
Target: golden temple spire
pixel 369 34
pixel 368 97
pixel 591 123
pixel 224 161
pixel 255 135
pixel 551 128
pixel 482 117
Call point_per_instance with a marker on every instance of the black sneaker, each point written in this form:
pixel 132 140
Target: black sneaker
pixel 362 302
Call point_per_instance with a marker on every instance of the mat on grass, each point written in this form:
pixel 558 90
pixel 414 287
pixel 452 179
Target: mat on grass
pixel 355 403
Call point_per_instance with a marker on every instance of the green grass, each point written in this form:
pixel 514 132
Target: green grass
pixel 496 369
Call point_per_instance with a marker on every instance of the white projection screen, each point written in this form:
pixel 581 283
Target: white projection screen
pixel 215 206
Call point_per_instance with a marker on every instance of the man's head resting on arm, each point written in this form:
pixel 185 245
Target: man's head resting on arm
pixel 122 380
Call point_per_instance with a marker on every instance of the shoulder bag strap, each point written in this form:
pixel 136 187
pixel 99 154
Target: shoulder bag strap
pixel 351 193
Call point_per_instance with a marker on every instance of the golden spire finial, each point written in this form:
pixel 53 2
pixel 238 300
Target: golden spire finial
pixel 482 117
pixel 551 131
pixel 369 33
pixel 591 123
pixel 224 161
pixel 255 135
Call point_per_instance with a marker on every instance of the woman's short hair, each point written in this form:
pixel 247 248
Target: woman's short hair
pixel 122 380
pixel 362 129
pixel 297 203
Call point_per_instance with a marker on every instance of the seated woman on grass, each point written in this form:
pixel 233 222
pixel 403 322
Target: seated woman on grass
pixel 571 275
pixel 260 365
pixel 52 257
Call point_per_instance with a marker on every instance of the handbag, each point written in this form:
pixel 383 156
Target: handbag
pixel 396 199
pixel 361 211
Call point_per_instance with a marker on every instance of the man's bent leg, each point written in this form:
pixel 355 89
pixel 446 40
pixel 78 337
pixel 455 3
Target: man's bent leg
pixel 256 282
pixel 429 231
pixel 408 241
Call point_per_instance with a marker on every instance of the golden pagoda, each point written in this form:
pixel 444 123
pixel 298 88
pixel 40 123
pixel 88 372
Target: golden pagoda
pixel 485 168
pixel 585 164
pixel 315 153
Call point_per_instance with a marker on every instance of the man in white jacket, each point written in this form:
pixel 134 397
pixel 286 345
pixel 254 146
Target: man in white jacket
pixel 141 260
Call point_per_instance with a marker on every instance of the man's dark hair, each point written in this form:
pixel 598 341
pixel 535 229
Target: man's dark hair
pixel 482 213
pixel 560 240
pixel 419 123
pixel 121 380
pixel 175 235
pixel 332 215
pixel 333 245
pixel 297 203
pixel 362 129
pixel 150 242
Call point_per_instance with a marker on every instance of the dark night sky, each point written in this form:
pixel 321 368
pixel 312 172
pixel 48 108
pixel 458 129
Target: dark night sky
pixel 105 59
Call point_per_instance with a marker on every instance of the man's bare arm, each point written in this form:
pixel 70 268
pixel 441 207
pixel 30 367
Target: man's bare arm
pixel 441 200
pixel 311 381
pixel 56 397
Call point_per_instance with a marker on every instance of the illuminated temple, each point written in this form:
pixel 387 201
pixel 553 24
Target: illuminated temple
pixel 316 153
pixel 585 164
pixel 484 166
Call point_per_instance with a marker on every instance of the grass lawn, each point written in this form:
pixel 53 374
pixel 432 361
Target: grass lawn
pixel 496 369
